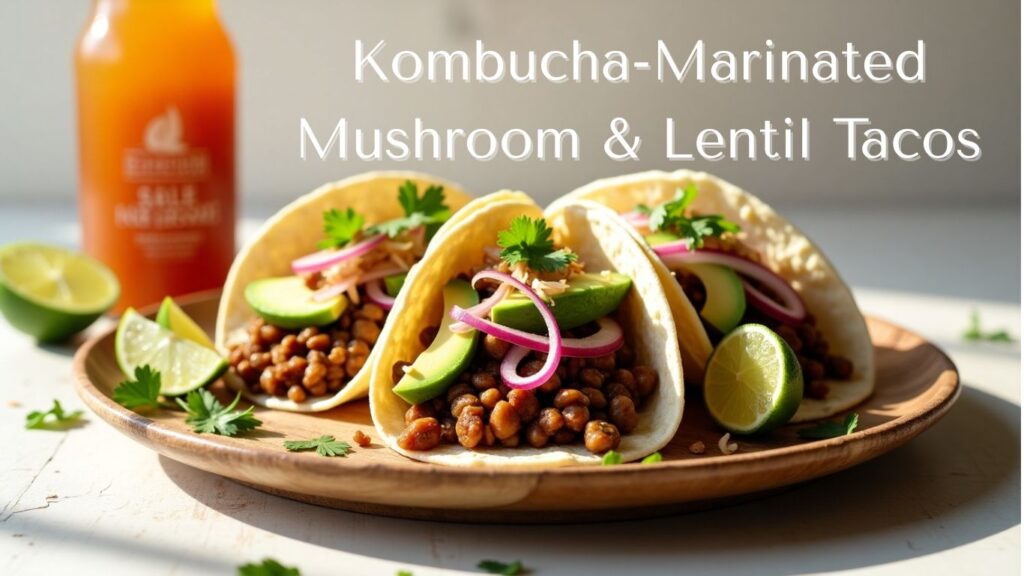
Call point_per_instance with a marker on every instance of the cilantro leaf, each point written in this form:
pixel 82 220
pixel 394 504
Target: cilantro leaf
pixel 143 392
pixel 529 240
pixel 340 227
pixel 974 333
pixel 207 415
pixel 430 204
pixel 324 446
pixel 652 458
pixel 268 567
pixel 671 217
pixel 428 210
pixel 495 567
pixel 830 428
pixel 36 419
pixel 611 458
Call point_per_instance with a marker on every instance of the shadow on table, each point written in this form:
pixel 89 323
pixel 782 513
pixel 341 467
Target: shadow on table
pixel 956 484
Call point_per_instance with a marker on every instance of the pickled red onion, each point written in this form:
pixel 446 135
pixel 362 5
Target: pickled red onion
pixel 606 340
pixel 554 350
pixel 792 309
pixel 375 293
pixel 324 259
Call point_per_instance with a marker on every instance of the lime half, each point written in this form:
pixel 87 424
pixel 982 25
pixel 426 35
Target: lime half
pixel 172 317
pixel 51 293
pixel 183 364
pixel 753 381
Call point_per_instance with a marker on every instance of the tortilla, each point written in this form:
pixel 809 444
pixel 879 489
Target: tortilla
pixel 591 231
pixel 294 232
pixel 786 250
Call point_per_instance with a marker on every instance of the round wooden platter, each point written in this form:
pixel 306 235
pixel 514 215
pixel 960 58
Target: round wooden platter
pixel 916 385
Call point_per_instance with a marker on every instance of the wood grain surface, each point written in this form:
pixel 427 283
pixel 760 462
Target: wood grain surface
pixel 917 385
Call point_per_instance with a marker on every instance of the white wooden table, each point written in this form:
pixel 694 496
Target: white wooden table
pixel 90 501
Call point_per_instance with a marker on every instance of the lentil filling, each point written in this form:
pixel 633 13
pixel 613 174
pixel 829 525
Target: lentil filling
pixel 808 343
pixel 594 401
pixel 307 363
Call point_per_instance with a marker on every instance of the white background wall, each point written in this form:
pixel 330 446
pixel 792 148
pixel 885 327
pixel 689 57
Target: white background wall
pixel 296 60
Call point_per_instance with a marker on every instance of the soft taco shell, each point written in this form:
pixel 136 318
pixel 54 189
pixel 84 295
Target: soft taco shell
pixel 293 232
pixel 786 250
pixel 591 231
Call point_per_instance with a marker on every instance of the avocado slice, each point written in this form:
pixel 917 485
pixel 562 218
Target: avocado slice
pixel 661 237
pixel 447 356
pixel 287 303
pixel 588 297
pixel 726 302
pixel 393 284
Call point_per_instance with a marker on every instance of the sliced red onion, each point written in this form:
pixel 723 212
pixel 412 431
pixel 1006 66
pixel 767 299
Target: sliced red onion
pixel 509 369
pixel 606 340
pixel 332 290
pixel 375 293
pixel 637 219
pixel 511 378
pixel 324 259
pixel 792 309
pixel 482 309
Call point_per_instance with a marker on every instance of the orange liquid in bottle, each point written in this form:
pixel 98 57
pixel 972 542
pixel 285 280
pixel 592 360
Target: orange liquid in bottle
pixel 156 115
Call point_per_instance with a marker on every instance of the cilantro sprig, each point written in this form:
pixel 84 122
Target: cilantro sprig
pixel 324 445
pixel 37 420
pixel 671 217
pixel 974 333
pixel 496 567
pixel 340 228
pixel 529 240
pixel 830 428
pixel 143 393
pixel 268 567
pixel 428 210
pixel 207 415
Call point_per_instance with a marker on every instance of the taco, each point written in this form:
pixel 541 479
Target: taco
pixel 304 303
pixel 527 339
pixel 726 258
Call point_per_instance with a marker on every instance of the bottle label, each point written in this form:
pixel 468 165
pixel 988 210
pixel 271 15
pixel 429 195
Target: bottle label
pixel 168 206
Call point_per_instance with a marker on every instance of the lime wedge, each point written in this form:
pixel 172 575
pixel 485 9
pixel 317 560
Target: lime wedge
pixel 183 364
pixel 173 318
pixel 753 381
pixel 51 293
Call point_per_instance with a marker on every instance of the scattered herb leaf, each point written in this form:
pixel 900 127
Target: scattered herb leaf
pixel 340 227
pixel 428 210
pixel 652 458
pixel 974 333
pixel 37 420
pixel 495 567
pixel 611 458
pixel 207 415
pixel 404 573
pixel 268 567
pixel 324 446
pixel 529 240
pixel 830 428
pixel 143 392
pixel 671 217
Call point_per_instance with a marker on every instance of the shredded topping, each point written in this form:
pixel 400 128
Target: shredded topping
pixel 726 447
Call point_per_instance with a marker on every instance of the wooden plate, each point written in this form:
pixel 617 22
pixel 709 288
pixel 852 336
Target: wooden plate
pixel 917 385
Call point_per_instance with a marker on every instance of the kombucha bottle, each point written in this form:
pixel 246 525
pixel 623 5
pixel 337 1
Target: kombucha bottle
pixel 156 137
